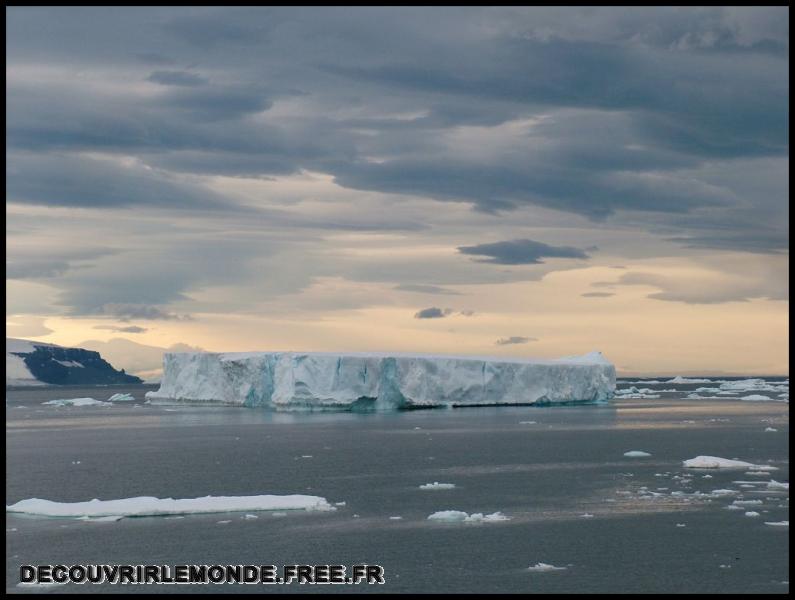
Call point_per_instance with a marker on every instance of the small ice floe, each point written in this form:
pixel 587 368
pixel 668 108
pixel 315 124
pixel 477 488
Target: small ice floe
pixel 249 516
pixel 544 568
pixel 706 477
pixel 527 423
pixel 395 518
pixel 756 474
pixel 715 462
pixel 147 506
pixel 306 456
pixel 586 516
pixel 777 485
pixel 636 454
pixel 340 503
pixel 770 429
pixel 725 566
pixel 756 398
pixel 777 523
pixel 223 522
pixel 121 398
pixel 751 513
pixel 734 507
pixel 459 516
pixel 681 525
pixel 77 402
pixel 747 502
pixel 437 486
pixel 723 492
pixel 680 379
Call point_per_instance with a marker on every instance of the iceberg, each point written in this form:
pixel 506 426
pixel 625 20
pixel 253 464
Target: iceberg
pixel 358 381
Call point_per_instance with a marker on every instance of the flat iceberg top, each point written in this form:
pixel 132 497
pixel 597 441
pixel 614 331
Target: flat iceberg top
pixel 148 506
pixel 379 381
pixel 591 358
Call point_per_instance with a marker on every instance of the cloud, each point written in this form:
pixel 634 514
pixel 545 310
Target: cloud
pixel 433 313
pixel 426 289
pixel 179 78
pixel 130 329
pixel 515 339
pixel 597 295
pixel 521 252
pixel 125 312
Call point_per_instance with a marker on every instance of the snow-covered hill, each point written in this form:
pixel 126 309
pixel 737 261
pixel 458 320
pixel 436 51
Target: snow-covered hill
pixel 30 363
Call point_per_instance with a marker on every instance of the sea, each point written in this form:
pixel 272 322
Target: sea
pixel 609 523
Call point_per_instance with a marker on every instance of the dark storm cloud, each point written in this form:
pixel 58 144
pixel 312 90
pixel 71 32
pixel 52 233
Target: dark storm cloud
pixel 433 313
pixel 515 339
pixel 520 252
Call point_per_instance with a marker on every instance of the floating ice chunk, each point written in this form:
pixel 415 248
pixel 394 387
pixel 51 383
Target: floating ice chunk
pixel 756 398
pixel 680 379
pixel 751 513
pixel 340 503
pixel 437 486
pixel 715 462
pixel 636 454
pixel 723 492
pixel 77 402
pixel 544 568
pixel 777 523
pixel 458 516
pixel 250 516
pixel 777 485
pixel 746 502
pixel 527 423
pixel 396 518
pixel 587 516
pixel 770 429
pixel 681 525
pixel 121 398
pixel 147 506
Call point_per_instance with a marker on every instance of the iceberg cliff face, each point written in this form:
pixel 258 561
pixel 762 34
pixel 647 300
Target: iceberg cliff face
pixel 305 380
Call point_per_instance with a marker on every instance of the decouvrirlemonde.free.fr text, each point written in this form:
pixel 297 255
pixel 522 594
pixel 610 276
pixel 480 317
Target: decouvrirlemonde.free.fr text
pixel 200 574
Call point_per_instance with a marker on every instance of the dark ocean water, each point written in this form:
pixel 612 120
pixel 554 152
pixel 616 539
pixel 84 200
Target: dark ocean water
pixel 543 475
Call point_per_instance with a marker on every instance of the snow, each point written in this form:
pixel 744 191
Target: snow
pixel 636 454
pixel 147 506
pixel 121 398
pixel 544 568
pixel 300 380
pixel 70 363
pixel 77 402
pixel 714 462
pixel 459 516
pixel 437 486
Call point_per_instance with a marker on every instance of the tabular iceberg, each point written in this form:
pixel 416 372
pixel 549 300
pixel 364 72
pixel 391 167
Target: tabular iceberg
pixel 357 381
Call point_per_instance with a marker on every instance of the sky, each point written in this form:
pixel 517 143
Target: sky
pixel 530 182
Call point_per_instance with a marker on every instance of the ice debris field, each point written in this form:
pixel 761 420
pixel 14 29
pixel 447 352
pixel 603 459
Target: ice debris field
pixel 298 380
